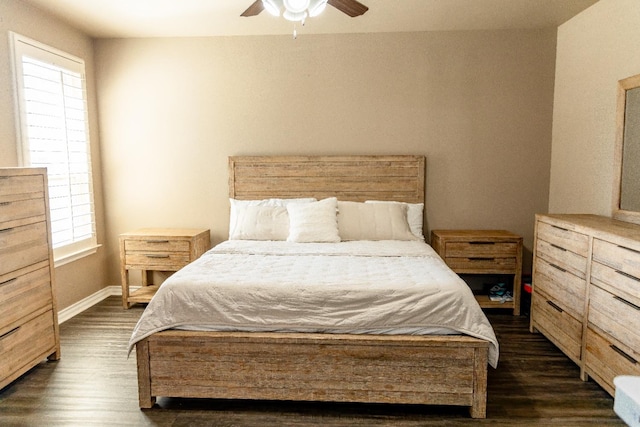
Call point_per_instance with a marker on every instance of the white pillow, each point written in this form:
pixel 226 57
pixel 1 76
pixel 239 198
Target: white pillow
pixel 254 222
pixel 313 222
pixel 414 216
pixel 373 221
pixel 260 224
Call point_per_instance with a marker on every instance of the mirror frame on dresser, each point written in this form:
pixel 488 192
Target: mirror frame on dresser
pixel 624 85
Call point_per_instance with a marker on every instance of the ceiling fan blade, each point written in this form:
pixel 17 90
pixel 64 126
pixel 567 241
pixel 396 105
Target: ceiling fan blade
pixel 352 8
pixel 254 9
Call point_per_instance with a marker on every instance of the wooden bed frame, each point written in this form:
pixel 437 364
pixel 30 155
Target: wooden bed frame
pixel 430 370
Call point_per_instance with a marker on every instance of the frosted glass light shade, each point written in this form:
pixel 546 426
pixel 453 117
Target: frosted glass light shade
pixel 272 6
pixel 317 7
pixel 294 16
pixel 296 6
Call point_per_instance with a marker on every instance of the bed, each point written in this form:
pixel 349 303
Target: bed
pixel 427 342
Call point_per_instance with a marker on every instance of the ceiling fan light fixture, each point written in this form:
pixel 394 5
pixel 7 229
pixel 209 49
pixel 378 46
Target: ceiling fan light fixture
pixel 317 7
pixel 295 16
pixel 272 6
pixel 296 6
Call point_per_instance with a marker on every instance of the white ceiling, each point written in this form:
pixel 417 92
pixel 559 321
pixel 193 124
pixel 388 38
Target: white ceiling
pixel 188 18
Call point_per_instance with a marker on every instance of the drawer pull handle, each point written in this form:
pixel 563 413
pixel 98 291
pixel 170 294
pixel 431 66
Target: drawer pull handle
pixel 157 241
pixel 559 228
pixel 482 243
pixel 622 273
pixel 555 306
pixel 558 247
pixel 11 332
pixel 629 249
pixel 557 267
pixel 157 256
pixel 623 354
pixel 479 258
pixel 630 304
pixel 8 281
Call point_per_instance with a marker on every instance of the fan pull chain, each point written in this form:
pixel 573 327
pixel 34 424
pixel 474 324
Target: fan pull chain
pixel 295 31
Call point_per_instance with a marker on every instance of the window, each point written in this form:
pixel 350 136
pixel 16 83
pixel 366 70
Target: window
pixel 53 132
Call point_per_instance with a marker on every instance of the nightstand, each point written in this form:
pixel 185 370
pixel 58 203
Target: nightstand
pixel 157 249
pixel 494 252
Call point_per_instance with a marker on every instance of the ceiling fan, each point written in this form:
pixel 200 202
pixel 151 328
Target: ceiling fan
pixel 298 10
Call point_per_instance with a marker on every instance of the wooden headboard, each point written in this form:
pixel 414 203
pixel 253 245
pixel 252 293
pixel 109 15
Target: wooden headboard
pixel 356 178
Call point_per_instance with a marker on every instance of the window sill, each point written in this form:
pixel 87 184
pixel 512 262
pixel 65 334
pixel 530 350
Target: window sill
pixel 74 256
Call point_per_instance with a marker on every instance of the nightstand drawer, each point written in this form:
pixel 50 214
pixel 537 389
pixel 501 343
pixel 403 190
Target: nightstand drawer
pixel 558 325
pixel 480 248
pixel 486 264
pixel 23 246
pixel 567 290
pixel 20 346
pixel 605 360
pixel 563 238
pixel 615 316
pixel 158 245
pixel 167 261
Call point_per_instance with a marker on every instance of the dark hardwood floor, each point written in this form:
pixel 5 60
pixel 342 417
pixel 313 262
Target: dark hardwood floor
pixel 94 384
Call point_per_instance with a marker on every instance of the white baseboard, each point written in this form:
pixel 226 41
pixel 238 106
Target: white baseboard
pixel 88 302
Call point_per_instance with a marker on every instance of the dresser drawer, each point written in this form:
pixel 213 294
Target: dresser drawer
pixel 565 289
pixel 481 249
pixel 24 345
pixel 11 186
pixel 605 360
pixel 25 293
pixel 621 258
pixel 562 258
pixel 615 316
pixel 158 245
pixel 20 209
pixel 558 325
pixel 161 261
pixel 563 238
pixel 23 246
pixel 616 281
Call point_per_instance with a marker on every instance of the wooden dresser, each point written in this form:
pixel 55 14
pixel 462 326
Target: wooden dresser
pixel 586 292
pixel 28 312
pixel 157 249
pixel 494 252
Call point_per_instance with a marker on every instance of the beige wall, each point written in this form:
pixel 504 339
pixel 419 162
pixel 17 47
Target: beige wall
pixel 595 50
pixel 85 277
pixel 478 104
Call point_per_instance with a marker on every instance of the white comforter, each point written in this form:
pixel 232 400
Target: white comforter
pixel 385 287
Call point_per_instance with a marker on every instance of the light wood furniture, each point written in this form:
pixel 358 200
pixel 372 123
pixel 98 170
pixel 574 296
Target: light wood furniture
pixel 438 370
pixel 157 249
pixel 483 252
pixel 28 311
pixel 586 292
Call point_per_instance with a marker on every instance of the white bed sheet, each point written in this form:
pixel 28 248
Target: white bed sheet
pixel 383 287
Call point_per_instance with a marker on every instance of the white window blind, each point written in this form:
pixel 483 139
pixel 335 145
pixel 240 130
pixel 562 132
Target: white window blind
pixel 54 133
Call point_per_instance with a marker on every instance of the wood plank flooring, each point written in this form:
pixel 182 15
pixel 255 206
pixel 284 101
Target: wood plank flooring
pixel 94 384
